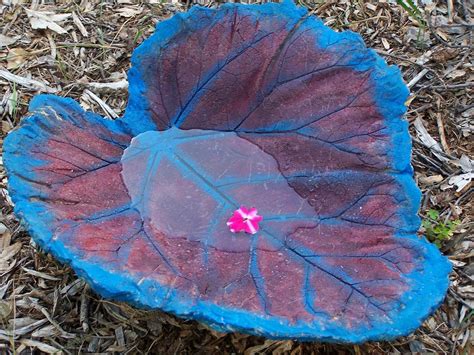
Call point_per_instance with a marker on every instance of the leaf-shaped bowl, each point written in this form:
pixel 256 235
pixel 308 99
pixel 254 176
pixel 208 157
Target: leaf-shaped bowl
pixel 261 106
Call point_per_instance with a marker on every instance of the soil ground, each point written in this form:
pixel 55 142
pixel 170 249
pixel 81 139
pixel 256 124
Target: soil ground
pixel 45 308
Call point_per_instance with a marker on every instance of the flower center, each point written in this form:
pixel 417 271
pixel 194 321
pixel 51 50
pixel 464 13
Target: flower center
pixel 245 220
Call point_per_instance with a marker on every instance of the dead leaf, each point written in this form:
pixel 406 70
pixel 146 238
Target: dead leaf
pixel 428 141
pixel 47 20
pixel 443 35
pixel 48 349
pixel 16 57
pixel 5 309
pixel 428 180
pixel 79 25
pixel 456 74
pixel 45 332
pixel 10 251
pixel 40 274
pixel 129 11
pixel 442 55
pixel 466 164
pixel 26 82
pixel 461 181
pixel 466 291
pixel 7 41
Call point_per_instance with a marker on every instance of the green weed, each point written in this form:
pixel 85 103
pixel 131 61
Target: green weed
pixel 413 11
pixel 436 230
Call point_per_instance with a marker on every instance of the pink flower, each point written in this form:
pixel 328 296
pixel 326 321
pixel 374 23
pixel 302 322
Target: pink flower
pixel 245 220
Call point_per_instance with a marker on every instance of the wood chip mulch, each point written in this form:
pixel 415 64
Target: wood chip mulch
pixel 82 50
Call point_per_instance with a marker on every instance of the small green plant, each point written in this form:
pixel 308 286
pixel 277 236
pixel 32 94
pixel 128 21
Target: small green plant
pixel 437 231
pixel 413 11
pixel 138 35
